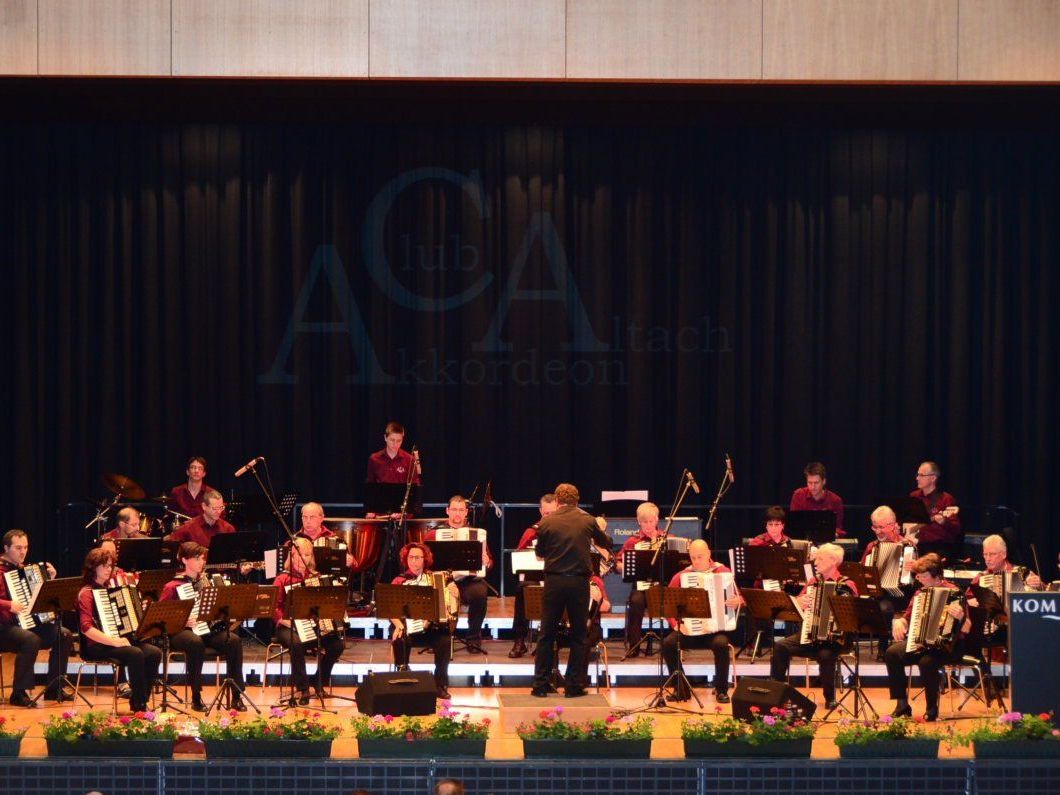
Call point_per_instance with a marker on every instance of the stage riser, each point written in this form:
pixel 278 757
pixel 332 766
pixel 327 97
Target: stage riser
pixel 591 777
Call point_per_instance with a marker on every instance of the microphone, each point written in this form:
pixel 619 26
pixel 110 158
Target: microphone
pixel 416 461
pixel 692 481
pixel 249 466
pixel 728 469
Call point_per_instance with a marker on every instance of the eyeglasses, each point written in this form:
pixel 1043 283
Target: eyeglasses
pixel 926 474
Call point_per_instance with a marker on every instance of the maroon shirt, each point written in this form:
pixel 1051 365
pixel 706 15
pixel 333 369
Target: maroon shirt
pixel 529 536
pixel 169 590
pixel 802 500
pixel 325 532
pixel 675 581
pixel 198 531
pixel 766 540
pixel 949 532
pixel 844 582
pixel 112 535
pixel 384 469
pixel 86 609
pixel 872 546
pixel 180 499
pixel 283 579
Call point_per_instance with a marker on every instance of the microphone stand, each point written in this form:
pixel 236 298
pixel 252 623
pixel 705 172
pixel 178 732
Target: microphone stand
pixel 723 488
pixel 271 500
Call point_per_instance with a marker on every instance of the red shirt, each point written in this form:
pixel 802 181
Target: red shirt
pixel 846 582
pixel 675 581
pixel 529 537
pixel 169 590
pixel 283 579
pixel 766 540
pixel 180 499
pixel 198 531
pixel 803 500
pixel 86 609
pixel 872 546
pixel 112 535
pixel 384 469
pixel 324 533
pixel 949 532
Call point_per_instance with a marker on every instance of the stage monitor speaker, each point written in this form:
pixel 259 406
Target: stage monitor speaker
pixel 764 694
pixel 398 693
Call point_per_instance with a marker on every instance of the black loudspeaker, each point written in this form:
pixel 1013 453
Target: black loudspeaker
pixel 398 693
pixel 764 694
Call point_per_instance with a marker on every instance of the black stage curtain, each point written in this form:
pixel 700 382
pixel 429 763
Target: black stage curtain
pixel 599 303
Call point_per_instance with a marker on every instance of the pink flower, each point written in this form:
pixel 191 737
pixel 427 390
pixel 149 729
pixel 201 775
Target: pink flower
pixel 544 714
pixel 386 718
pixel 277 712
pixel 69 715
pixel 755 710
pixel 559 710
pixel 887 719
pixel 125 720
pixel 769 720
pixel 223 723
pixel 611 718
pixel 149 715
pixel 551 716
pixel 485 721
pixel 447 703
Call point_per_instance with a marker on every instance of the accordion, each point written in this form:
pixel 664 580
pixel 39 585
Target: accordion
pixel 447 606
pixel 930 624
pixel 22 585
pixel 304 627
pixel 719 588
pixel 817 619
pixel 120 611
pixel 889 559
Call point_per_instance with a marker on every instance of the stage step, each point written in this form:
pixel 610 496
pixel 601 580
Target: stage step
pixel 519 708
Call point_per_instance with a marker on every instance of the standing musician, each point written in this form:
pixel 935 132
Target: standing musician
pixel 210 523
pixel 943 533
pixel 27 642
pixel 520 624
pixel 186 498
pixel 815 497
pixel 774 535
pixel 826 652
pixel 217 637
pixel 564 540
pixel 416 563
pixel 392 464
pixel 300 566
pixel 718 642
pixel 128 525
pixel 473 589
pixel 647 537
pixel 929 658
pixel 141 660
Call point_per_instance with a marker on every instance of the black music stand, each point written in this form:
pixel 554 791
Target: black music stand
pixel 768 606
pixel 316 604
pixel 58 596
pixel 752 563
pixel 227 550
pixel 226 604
pixel 650 566
pixel 138 554
pixel 162 620
pixel 150 583
pixel 330 561
pixel 866 579
pixel 853 616
pixel 677 603
pixel 534 606
pixel 818 527
pixel 990 610
pixel 456 556
pixel 405 602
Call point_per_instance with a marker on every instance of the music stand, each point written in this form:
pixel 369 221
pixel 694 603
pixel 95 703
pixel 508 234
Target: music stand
pixel 150 583
pixel 384 499
pixel 534 605
pixel 783 564
pixel 640 565
pixel 406 602
pixel 866 579
pixel 162 620
pixel 769 606
pixel 316 604
pixel 229 549
pixel 677 603
pixel 330 561
pixel 855 615
pixel 58 596
pixel 457 556
pixel 818 527
pixel 138 554
pixel 226 604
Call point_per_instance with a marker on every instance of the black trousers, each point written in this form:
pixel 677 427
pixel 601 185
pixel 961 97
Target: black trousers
pixel 636 607
pixel 141 665
pixel 434 637
pixel 929 661
pixel 570 593
pixel 717 642
pixel 26 643
pixel 331 646
pixel 826 654
pixel 194 648
pixel 473 593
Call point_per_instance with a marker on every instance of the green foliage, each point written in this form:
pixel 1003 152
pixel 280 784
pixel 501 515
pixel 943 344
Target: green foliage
pixel 551 726
pixel 8 734
pixel 448 725
pixel 778 725
pixel 305 726
pixel 886 728
pixel 72 727
pixel 1012 726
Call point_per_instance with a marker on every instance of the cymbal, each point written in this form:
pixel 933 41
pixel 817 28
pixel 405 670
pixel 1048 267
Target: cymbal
pixel 126 487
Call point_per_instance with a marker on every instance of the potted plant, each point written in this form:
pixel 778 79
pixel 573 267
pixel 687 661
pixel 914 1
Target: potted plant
pixel 610 738
pixel 776 734
pixel 104 734
pixel 300 734
pixel 10 739
pixel 887 737
pixel 1013 734
pixel 450 734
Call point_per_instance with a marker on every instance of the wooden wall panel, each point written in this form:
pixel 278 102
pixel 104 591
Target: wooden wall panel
pixel 860 40
pixel 467 38
pixel 18 37
pixel 665 39
pixel 104 37
pixel 1009 40
pixel 307 38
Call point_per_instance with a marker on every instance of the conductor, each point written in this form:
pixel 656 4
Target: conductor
pixel 563 541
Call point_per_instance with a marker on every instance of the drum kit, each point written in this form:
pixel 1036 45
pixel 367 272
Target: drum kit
pixel 127 491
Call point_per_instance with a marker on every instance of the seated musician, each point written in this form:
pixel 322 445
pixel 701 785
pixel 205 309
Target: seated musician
pixel 118 576
pixel 473 589
pixel 193 557
pixel 520 624
pixel 647 537
pixel 128 526
pixel 186 498
pixel 885 526
pixel 203 528
pixel 300 566
pixel 928 659
pixel 815 497
pixel 416 561
pixel 718 642
pixel 826 564
pixel 27 642
pixel 774 535
pixel 317 532
pixel 141 660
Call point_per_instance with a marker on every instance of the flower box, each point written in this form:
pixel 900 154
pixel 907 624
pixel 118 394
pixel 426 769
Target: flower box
pixel 1016 749
pixel 255 749
pixel 587 749
pixel 774 749
pixel 400 748
pixel 891 749
pixel 149 749
pixel 9 746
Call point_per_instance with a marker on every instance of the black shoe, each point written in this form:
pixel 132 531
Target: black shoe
pixel 21 700
pixel 138 706
pixel 239 706
pixel 831 704
pixel 518 650
pixel 442 693
pixel 574 692
pixel 197 705
pixel 539 692
pixel 902 710
pixel 124 691
pixel 681 694
pixel 721 696
pixel 58 696
pixel 303 698
pixel 931 714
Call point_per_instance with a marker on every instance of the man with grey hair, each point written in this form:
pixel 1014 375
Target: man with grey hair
pixel 637 604
pixel 885 526
pixel 826 563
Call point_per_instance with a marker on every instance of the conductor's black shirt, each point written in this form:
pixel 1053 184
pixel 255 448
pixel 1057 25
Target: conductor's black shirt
pixel 563 541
